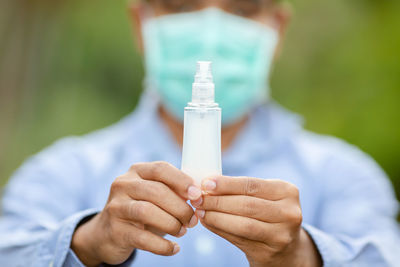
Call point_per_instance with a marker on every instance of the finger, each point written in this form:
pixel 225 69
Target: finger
pixel 237 225
pixel 242 243
pixel 252 207
pixel 174 178
pixel 248 186
pixel 150 215
pixel 162 196
pixel 145 240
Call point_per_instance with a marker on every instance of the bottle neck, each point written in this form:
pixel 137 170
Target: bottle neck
pixel 203 92
pixel 202 104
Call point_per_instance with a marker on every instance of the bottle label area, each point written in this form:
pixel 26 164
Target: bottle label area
pixel 201 156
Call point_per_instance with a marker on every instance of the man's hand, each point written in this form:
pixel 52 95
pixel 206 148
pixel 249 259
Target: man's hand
pixel 144 204
pixel 261 217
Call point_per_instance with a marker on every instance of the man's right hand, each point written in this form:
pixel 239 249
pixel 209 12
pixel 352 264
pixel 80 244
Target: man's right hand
pixel 144 204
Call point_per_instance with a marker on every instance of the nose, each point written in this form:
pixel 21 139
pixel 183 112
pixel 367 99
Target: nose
pixel 214 3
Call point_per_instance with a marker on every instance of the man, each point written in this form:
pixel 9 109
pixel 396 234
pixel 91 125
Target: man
pixel 65 206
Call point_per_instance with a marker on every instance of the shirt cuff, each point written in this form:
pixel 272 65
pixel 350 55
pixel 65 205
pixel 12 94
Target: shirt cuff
pixel 332 253
pixel 73 261
pixel 55 250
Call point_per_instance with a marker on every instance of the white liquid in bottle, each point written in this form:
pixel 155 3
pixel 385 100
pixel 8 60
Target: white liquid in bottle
pixel 201 155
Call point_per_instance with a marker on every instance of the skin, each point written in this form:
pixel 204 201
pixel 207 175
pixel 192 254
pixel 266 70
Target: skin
pixel 144 204
pixel 261 217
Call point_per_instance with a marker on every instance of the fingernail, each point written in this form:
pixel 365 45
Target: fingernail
pixel 176 248
pixel 209 185
pixel 182 232
pixel 194 192
pixel 193 221
pixel 200 213
pixel 197 203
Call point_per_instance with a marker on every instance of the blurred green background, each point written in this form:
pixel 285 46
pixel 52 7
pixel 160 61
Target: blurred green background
pixel 69 67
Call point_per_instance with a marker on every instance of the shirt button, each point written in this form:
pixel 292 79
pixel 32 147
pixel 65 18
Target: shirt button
pixel 204 245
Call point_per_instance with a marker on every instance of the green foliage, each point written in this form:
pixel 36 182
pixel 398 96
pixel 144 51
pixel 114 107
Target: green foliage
pixel 339 69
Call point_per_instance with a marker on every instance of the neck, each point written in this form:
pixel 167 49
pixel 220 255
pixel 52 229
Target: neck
pixel 228 133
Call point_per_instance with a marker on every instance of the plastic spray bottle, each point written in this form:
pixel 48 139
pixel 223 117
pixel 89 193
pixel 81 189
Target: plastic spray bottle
pixel 201 155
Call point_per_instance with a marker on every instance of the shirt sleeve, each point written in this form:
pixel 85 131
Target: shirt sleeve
pixel 42 205
pixel 356 223
pixel 73 261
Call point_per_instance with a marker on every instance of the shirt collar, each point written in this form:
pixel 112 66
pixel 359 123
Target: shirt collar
pixel 268 128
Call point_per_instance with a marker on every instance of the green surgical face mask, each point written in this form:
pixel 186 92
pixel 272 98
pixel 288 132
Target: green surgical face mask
pixel 241 51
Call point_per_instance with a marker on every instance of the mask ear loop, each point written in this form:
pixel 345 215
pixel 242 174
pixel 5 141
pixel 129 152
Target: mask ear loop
pixel 145 11
pixel 139 12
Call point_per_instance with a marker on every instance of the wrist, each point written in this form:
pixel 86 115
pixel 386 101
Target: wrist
pixel 303 253
pixel 308 254
pixel 84 243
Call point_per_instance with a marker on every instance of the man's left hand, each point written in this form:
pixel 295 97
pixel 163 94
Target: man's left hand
pixel 261 217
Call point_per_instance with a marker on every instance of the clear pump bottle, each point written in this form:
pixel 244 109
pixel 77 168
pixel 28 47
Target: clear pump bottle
pixel 201 155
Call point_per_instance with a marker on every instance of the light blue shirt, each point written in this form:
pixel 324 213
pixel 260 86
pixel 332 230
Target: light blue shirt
pixel 348 203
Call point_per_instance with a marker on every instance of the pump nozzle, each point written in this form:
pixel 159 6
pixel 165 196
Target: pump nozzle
pixel 203 86
pixel 203 72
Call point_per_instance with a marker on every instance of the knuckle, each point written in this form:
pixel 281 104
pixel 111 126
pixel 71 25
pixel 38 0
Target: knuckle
pixel 292 190
pixel 167 249
pixel 185 214
pixel 251 187
pixel 113 207
pixel 250 207
pixel 294 215
pixel 133 167
pixel 138 210
pixel 217 202
pixel 174 227
pixel 158 167
pixel 117 185
pixel 283 240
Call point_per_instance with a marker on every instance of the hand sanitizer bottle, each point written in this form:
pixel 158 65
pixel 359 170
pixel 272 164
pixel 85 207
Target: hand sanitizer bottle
pixel 201 155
